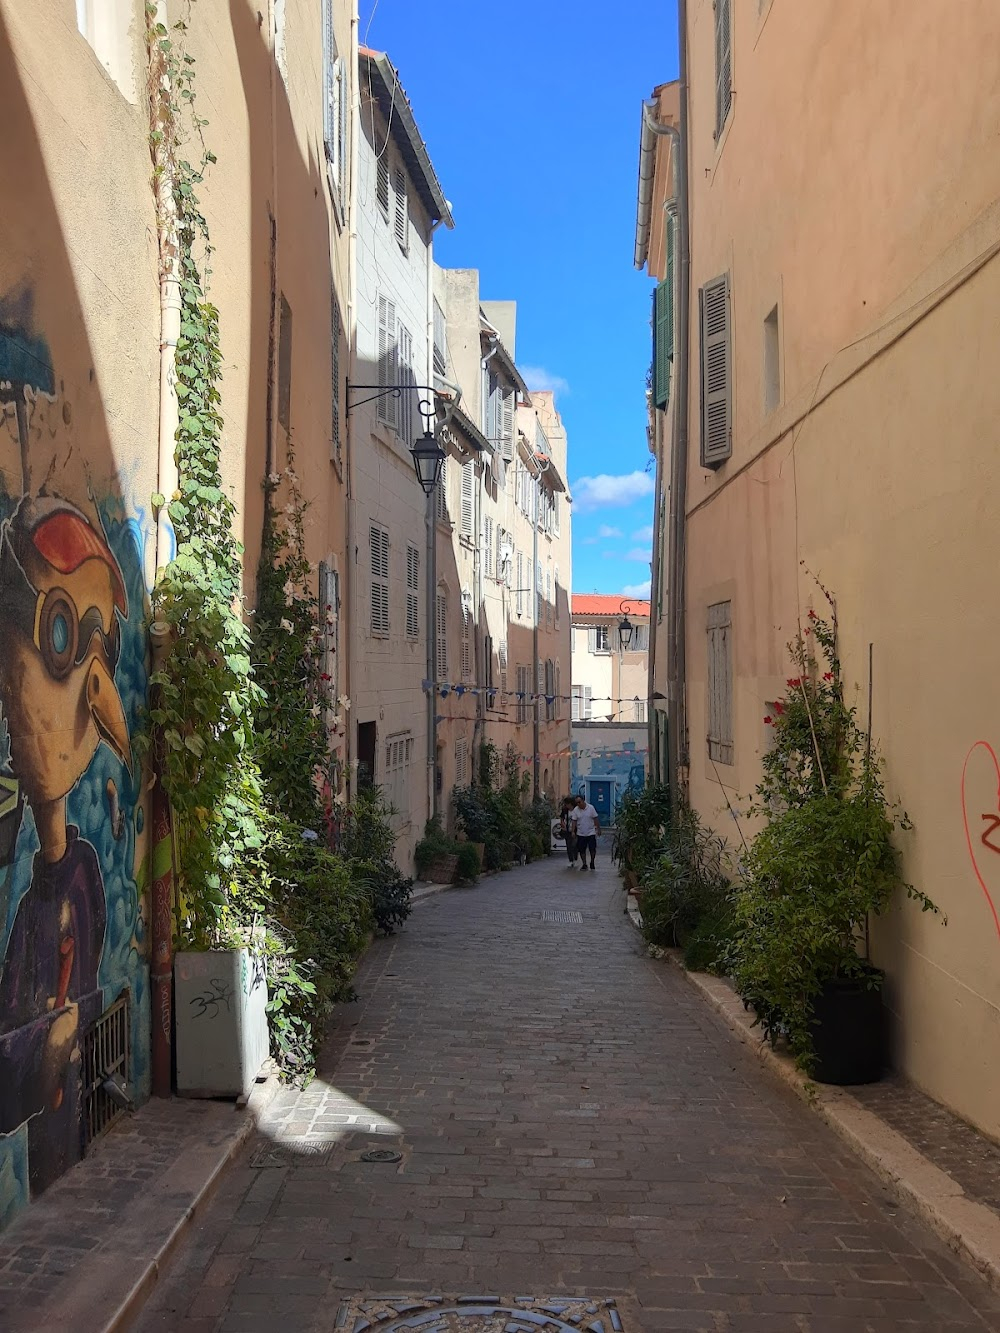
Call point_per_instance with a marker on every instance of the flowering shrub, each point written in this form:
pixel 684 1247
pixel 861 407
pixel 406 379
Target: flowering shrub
pixel 824 861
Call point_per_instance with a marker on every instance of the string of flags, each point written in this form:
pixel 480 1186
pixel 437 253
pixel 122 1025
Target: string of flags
pixel 460 689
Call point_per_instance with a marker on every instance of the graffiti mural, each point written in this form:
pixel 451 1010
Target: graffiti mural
pixel 72 680
pixel 608 760
pixel 981 816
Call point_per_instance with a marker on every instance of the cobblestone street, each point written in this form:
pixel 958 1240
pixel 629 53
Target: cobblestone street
pixel 572 1122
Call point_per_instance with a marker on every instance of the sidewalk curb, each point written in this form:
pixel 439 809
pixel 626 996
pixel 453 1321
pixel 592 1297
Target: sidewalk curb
pixel 130 1307
pixel 969 1229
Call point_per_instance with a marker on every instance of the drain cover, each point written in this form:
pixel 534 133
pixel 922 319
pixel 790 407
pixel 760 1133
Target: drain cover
pixel 564 918
pixel 479 1314
pixel 301 1154
pixel 382 1155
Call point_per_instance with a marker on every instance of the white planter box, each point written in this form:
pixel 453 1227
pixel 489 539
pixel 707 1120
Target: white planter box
pixel 221 1022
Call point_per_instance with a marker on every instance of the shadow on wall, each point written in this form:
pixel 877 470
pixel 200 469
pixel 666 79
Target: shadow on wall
pixel 72 680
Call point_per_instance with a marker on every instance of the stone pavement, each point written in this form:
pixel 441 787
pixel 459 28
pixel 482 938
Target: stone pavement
pixel 571 1122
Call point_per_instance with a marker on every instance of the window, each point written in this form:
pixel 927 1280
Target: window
pixel 468 497
pixel 663 325
pixel 335 111
pixel 106 25
pixel 488 662
pixel 412 591
pixel 597 639
pixel 723 63
pixel 640 639
pixel 487 551
pixel 557 685
pixel 720 683
pixel 406 381
pixel 519 583
pixel 442 636
pixel 382 182
pixel 716 373
pixel 548 597
pixel 285 365
pixel 576 705
pixel 402 214
pixel 772 363
pixel 501 570
pixel 539 609
pixel 523 691
pixel 440 341
pixel 386 407
pixel 466 635
pixel 549 689
pixel 336 453
pixel 639 707
pixel 462 762
pixel 396 773
pixel 557 596
pixel 378 538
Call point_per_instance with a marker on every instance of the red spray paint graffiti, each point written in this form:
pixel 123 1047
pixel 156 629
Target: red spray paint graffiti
pixel 991 818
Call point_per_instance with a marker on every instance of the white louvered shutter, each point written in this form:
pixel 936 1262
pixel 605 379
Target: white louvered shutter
pixel 508 425
pixel 466 638
pixel 716 372
pixel 519 583
pixel 406 380
pixel 402 216
pixel 335 441
pixel 412 592
pixel 441 495
pixel 388 361
pixel 442 637
pixel 342 153
pixel 379 544
pixel 723 63
pixel 468 497
pixel 588 706
pixel 382 184
pixel 487 546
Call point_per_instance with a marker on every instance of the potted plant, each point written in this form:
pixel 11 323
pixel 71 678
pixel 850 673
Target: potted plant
pixel 823 864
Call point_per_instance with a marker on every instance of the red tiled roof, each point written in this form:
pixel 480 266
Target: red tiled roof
pixel 600 604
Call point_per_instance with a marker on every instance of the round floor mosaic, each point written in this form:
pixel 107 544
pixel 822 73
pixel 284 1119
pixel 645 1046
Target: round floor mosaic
pixel 479 1314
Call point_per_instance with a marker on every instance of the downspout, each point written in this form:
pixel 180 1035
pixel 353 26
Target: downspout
pixel 430 518
pixel 481 669
pixel 161 841
pixel 350 558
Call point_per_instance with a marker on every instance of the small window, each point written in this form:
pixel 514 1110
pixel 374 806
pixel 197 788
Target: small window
pixel 523 692
pixel 772 363
pixel 285 365
pixel 597 639
pixel 723 64
pixel 720 683
pixel 379 545
pixel 461 762
pixel 412 591
pixel 387 405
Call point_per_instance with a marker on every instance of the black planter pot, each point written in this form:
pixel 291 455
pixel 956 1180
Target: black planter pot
pixel 849 1031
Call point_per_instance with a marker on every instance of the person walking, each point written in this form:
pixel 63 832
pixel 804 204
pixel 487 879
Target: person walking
pixel 587 825
pixel 568 829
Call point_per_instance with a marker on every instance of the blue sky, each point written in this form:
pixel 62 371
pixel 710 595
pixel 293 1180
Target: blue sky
pixel 530 111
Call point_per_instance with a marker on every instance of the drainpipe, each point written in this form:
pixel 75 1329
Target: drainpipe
pixel 543 466
pixel 161 841
pixel 431 524
pixel 351 332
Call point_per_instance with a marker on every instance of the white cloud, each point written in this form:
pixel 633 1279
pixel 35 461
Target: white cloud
pixel 537 377
pixel 640 554
pixel 589 541
pixel 609 533
pixel 615 492
pixel 643 534
pixel 637 589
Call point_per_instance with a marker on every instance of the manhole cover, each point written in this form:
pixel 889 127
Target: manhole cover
pixel 479 1314
pixel 382 1155
pixel 564 918
pixel 302 1154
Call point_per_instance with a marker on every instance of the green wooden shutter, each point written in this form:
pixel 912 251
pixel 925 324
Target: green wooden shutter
pixel 663 326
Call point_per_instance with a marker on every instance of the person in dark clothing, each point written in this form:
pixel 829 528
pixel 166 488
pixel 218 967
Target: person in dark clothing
pixel 568 829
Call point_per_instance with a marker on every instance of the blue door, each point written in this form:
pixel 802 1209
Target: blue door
pixel 600 798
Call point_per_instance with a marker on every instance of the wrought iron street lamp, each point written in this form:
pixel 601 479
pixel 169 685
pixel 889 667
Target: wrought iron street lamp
pixel 428 460
pixel 625 628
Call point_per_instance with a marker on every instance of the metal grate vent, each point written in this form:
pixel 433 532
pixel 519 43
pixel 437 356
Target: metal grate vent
pixel 564 918
pixel 105 1055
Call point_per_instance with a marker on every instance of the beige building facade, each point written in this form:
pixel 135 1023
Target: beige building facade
pixel 87 440
pixel 610 663
pixel 842 191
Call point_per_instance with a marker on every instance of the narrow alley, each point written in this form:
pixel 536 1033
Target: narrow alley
pixel 571 1122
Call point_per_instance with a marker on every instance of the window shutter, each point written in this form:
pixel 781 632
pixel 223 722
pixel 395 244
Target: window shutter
pixel 379 543
pixel 508 425
pixel 723 63
pixel 402 211
pixel 441 496
pixel 663 326
pixel 329 85
pixel 519 584
pixel 716 372
pixel 591 638
pixel 442 637
pixel 382 183
pixel 406 379
pixel 468 497
pixel 588 706
pixel 720 683
pixel 412 592
pixel 487 546
pixel 466 638
pixel 388 361
pixel 335 442
pixel 342 134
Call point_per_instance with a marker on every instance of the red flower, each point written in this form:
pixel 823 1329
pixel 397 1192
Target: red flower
pixel 828 675
pixel 768 720
pixel 808 631
pixel 325 676
pixel 794 684
pixel 812 615
pixel 779 707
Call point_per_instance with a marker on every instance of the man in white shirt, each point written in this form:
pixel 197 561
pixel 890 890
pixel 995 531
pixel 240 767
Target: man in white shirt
pixel 588 829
